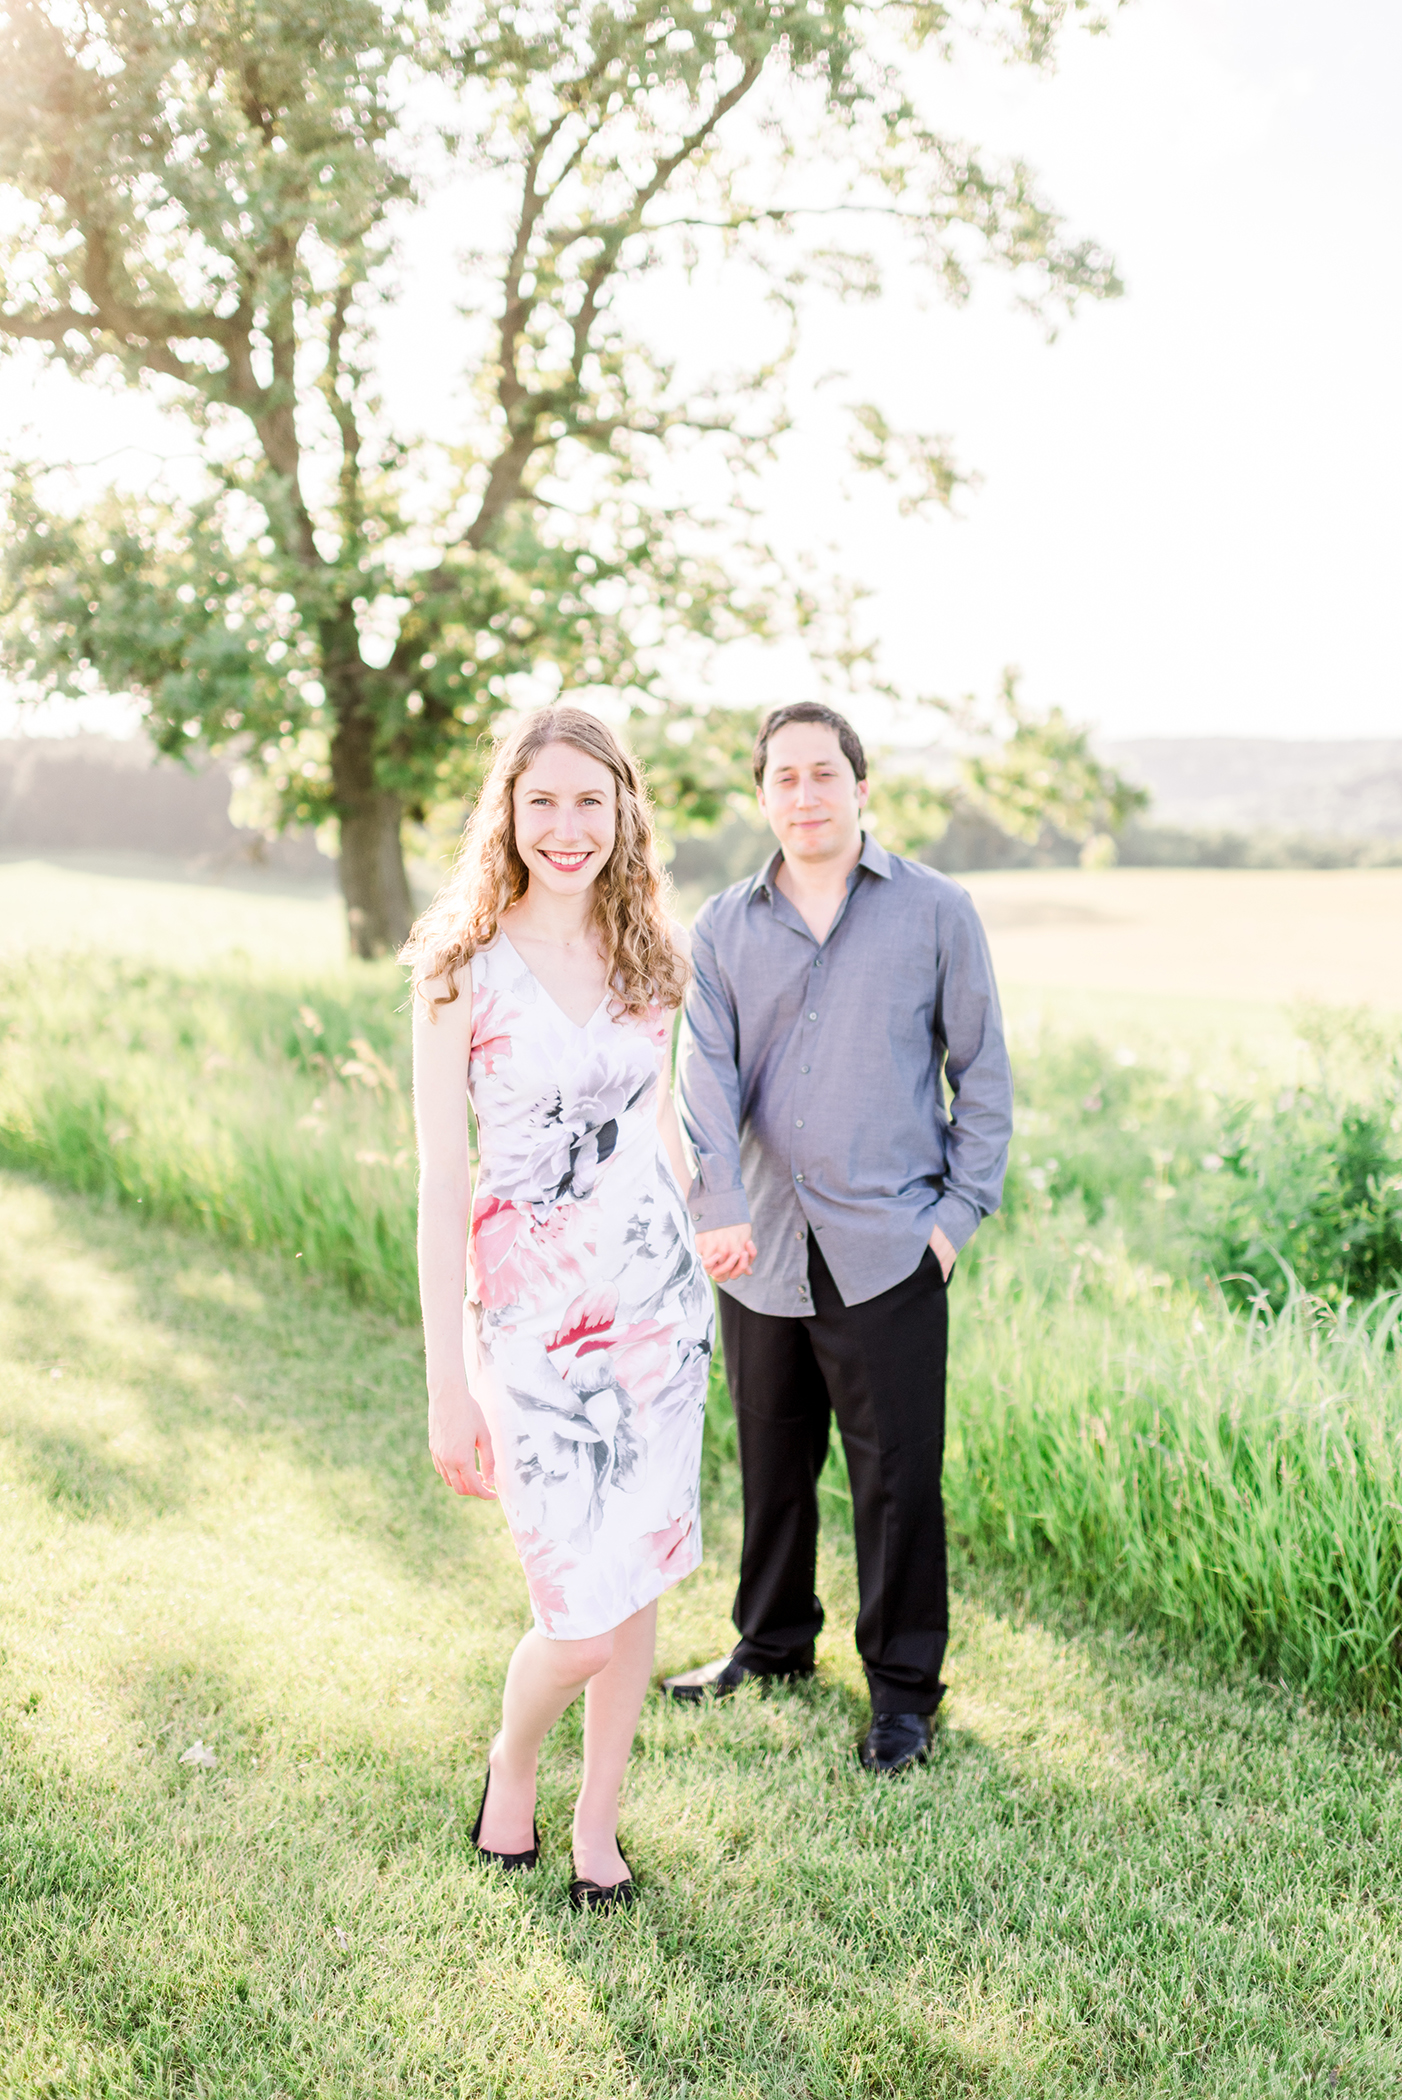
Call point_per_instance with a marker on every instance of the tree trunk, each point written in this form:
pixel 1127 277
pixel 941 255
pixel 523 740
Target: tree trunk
pixel 379 911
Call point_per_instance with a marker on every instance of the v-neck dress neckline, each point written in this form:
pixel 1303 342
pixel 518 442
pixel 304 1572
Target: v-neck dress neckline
pixel 545 991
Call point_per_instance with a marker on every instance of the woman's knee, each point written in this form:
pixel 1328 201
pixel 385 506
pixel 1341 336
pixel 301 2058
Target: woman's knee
pixel 574 1661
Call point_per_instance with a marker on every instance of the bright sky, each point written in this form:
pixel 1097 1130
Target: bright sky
pixel 1187 521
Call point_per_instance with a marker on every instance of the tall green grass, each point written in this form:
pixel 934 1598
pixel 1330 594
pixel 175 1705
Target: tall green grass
pixel 1236 1479
pixel 273 1114
pixel 1118 1424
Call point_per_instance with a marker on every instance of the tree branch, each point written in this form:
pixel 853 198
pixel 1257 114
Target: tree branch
pixel 508 470
pixel 45 328
pixel 631 222
pixel 343 411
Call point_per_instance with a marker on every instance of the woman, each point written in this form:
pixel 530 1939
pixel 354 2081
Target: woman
pixel 546 974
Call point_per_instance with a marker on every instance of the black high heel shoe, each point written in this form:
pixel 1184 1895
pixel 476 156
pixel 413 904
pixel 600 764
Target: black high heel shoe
pixel 510 1862
pixel 619 1895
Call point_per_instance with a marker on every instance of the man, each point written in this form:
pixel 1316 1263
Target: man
pixel 833 1192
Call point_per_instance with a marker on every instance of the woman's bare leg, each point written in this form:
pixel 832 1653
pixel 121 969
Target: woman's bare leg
pixel 612 1702
pixel 542 1680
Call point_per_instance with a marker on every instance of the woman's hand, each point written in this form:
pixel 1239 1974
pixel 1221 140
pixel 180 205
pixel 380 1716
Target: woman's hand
pixel 459 1443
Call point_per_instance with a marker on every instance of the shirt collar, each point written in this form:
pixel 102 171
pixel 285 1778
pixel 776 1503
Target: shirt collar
pixel 873 856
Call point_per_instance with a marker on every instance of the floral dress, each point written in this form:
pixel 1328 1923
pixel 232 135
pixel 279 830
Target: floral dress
pixel 589 1320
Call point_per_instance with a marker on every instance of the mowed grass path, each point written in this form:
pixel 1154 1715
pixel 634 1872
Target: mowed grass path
pixel 218 1525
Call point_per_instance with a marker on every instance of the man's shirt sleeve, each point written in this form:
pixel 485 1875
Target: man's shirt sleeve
pixel 709 1088
pixel 969 1023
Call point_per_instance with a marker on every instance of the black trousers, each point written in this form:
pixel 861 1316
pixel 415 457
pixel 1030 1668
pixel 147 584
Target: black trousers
pixel 880 1368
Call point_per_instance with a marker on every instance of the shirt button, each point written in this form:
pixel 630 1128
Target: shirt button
pixel 798 1177
pixel 798 1122
pixel 798 1235
pixel 812 1017
pixel 803 1068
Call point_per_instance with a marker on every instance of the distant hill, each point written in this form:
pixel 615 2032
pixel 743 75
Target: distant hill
pixel 117 795
pixel 1345 790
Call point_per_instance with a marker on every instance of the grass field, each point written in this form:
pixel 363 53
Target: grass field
pixel 1122 1873
pixel 133 904
pixel 1196 955
pixel 1131 1868
pixel 1243 937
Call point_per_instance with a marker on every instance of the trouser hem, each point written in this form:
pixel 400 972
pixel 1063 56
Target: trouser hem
pixel 766 1666
pixel 887 1698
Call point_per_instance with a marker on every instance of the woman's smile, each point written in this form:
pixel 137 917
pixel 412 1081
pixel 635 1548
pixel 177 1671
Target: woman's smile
pixel 564 806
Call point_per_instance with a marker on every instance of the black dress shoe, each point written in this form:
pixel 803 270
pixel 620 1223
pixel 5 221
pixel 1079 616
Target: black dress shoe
pixel 513 1862
pixel 594 1895
pixel 718 1679
pixel 895 1742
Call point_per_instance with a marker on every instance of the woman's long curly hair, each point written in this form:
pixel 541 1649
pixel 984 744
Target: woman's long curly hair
pixel 644 964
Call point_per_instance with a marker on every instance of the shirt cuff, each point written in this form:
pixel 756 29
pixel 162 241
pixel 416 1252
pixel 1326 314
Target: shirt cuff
pixel 957 1220
pixel 712 1209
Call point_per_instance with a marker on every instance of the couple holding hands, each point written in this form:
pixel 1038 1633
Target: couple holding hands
pixel 846 1097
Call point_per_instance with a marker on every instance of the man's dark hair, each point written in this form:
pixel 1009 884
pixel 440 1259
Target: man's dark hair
pixel 810 711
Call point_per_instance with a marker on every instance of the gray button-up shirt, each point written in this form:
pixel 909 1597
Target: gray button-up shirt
pixel 810 1078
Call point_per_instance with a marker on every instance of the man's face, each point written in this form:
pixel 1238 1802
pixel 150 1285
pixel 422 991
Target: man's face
pixel 810 796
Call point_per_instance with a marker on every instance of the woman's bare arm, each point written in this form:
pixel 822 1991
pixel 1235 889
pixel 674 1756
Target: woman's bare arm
pixel 442 1046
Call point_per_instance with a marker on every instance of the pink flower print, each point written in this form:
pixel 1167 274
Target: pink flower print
pixel 544 1565
pixel 519 1259
pixel 590 1318
pixel 664 1548
pixel 491 1034
pixel 641 1354
pixel 590 1314
pixel 497 1266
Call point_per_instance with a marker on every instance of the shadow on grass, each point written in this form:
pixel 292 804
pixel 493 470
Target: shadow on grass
pixel 235 1354
pixel 245 1353
pixel 85 1482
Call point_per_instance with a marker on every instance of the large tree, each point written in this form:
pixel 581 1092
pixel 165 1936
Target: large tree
pixel 207 195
